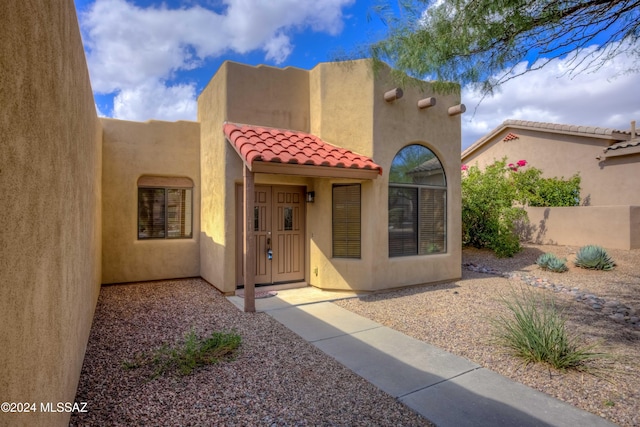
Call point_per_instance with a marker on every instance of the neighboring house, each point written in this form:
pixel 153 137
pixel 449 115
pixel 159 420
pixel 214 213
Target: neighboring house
pixel 88 201
pixel 608 162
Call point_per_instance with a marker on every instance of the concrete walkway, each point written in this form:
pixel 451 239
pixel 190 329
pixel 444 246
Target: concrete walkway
pixel 446 389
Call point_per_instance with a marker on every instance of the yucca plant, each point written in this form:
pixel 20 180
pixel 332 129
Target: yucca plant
pixel 549 261
pixel 594 257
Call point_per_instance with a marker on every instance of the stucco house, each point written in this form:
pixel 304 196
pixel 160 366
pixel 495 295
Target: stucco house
pixel 608 162
pixel 331 177
pixel 319 146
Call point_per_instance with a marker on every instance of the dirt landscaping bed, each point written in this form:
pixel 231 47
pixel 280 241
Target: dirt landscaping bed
pixel 276 379
pixel 455 316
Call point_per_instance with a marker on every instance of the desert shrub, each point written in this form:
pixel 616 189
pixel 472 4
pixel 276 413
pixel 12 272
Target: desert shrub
pixel 594 257
pixel 534 330
pixel 493 200
pixel 192 353
pixel 488 211
pixel 549 261
pixel 533 190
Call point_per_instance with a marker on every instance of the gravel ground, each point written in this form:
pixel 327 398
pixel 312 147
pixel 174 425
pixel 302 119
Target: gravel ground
pixel 279 379
pixel 276 379
pixel 454 316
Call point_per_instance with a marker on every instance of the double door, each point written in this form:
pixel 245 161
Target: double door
pixel 278 224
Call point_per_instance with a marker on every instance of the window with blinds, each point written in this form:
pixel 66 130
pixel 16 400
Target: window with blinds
pixel 165 212
pixel 417 203
pixel 346 221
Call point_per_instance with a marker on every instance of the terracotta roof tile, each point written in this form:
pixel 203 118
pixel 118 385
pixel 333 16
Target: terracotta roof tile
pixel 256 143
pixel 510 137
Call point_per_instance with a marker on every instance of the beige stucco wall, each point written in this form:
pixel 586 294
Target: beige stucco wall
pixel 50 171
pixel 608 182
pixel 615 227
pixel 132 150
pixel 215 159
pixel 358 118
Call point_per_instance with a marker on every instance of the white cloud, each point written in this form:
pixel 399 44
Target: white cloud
pixel 153 99
pixel 133 50
pixel 596 97
pixel 278 48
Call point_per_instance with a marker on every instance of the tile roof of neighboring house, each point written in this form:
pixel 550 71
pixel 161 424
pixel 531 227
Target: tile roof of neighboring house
pixel 587 131
pixel 265 144
pixel 622 148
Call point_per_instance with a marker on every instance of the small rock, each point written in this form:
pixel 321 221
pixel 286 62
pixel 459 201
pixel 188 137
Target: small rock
pixel 618 317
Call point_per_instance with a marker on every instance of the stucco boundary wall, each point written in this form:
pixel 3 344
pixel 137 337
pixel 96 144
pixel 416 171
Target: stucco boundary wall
pixel 51 199
pixel 614 227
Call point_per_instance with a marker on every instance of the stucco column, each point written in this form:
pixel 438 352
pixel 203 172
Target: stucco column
pixel 249 252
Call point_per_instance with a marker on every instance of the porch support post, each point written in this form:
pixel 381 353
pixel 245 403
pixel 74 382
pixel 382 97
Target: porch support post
pixel 249 239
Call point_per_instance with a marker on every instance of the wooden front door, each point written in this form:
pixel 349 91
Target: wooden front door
pixel 279 234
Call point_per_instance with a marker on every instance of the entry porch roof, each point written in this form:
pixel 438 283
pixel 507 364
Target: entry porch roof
pixel 290 152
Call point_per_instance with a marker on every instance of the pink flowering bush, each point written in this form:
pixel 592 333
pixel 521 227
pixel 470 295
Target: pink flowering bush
pixel 493 201
pixel 519 164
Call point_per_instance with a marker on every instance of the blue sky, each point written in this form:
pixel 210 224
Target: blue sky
pixel 150 59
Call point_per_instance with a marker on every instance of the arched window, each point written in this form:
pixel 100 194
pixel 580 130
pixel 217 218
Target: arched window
pixel 417 203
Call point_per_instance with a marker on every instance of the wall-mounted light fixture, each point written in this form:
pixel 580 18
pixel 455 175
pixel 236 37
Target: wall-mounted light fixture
pixel 311 196
pixel 393 94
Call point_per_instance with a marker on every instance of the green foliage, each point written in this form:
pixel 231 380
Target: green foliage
pixel 488 211
pixel 549 261
pixel 533 190
pixel 594 257
pixel 192 353
pixel 480 41
pixel 490 199
pixel 534 330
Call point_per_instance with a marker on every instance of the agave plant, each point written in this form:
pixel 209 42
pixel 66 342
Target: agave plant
pixel 558 265
pixel 549 261
pixel 544 259
pixel 594 257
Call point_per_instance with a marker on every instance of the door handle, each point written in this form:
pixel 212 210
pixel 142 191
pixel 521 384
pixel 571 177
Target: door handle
pixel 269 251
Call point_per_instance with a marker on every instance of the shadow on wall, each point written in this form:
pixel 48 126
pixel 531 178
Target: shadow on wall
pixel 528 232
pixel 214 258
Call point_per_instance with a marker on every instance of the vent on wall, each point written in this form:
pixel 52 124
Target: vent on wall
pixel 510 137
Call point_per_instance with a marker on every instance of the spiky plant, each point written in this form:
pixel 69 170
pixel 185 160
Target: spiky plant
pixel 549 261
pixel 557 265
pixel 533 329
pixel 594 257
pixel 544 259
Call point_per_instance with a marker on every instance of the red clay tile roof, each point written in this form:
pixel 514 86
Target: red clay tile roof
pixel 264 144
pixel 510 137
